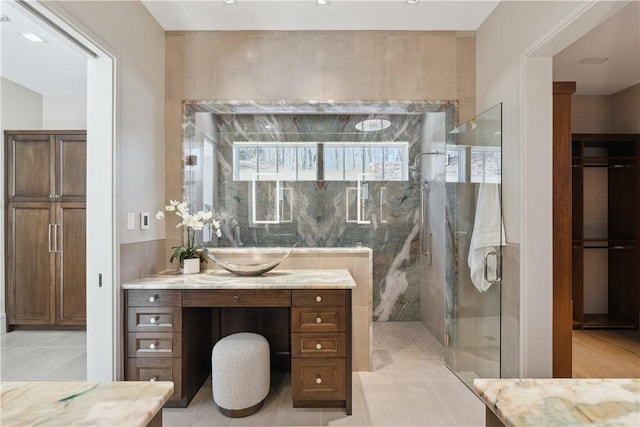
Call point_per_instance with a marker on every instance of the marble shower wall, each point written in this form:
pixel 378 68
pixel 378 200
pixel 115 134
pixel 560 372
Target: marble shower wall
pixel 319 207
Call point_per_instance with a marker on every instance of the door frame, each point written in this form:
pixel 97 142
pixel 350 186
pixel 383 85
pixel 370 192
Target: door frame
pixel 102 240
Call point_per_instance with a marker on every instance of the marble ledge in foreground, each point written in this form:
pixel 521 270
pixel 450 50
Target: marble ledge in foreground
pixel 562 401
pixel 67 403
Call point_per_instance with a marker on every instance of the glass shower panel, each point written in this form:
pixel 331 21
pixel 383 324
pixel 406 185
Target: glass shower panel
pixel 474 242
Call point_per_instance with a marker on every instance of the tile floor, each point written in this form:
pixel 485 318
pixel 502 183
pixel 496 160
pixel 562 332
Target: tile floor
pixel 410 385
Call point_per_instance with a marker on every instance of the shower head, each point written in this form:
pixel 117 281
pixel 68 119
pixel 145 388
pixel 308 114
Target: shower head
pixel 414 164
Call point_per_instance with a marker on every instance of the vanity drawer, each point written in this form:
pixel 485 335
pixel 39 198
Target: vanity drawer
pixel 156 369
pixel 318 378
pixel 317 298
pixel 154 344
pixel 318 344
pixel 236 298
pixel 154 319
pixel 154 297
pixel 321 319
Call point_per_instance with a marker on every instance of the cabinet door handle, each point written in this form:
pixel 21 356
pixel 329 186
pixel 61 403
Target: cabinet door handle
pixel 55 238
pixel 49 239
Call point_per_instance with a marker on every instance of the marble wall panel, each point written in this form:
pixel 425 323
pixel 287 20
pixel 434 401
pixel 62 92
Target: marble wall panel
pixel 319 207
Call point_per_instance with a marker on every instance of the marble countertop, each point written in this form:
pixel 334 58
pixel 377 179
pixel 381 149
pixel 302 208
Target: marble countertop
pixel 65 403
pixel 562 401
pixel 220 279
pixel 269 250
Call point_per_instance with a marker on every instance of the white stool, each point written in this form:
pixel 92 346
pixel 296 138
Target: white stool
pixel 240 373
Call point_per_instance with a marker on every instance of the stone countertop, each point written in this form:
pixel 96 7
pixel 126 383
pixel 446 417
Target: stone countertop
pixel 65 403
pixel 562 401
pixel 220 279
pixel 269 250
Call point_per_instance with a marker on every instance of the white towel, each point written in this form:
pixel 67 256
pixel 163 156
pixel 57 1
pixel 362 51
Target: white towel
pixel 488 234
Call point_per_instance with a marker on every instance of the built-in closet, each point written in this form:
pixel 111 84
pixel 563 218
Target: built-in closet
pixel 605 231
pixel 45 179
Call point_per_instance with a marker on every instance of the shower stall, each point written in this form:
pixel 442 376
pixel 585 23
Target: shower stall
pixel 474 240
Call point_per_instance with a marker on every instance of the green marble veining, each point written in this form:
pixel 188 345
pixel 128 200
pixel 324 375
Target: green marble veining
pixel 562 402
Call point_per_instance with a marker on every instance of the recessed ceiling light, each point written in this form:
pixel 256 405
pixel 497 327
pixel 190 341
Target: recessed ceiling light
pixel 229 1
pixel 323 2
pixel 4 18
pixel 592 60
pixel 373 125
pixel 412 1
pixel 32 37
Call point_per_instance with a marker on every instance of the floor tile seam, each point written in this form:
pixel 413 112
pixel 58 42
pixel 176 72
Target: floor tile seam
pixel 443 403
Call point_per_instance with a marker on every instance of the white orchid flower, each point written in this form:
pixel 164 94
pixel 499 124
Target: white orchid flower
pixel 218 233
pixel 170 208
pixel 182 207
pixel 160 215
pixel 173 202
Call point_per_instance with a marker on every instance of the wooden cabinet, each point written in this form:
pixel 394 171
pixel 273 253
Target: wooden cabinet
pixel 605 230
pixel 166 343
pixel 46 228
pixel 170 334
pixel 42 166
pixel 321 352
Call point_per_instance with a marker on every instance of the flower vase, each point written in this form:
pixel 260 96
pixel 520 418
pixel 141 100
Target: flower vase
pixel 190 266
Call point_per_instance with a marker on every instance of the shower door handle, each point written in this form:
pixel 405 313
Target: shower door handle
pixel 498 277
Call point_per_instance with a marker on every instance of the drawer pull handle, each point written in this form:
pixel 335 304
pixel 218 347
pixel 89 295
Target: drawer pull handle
pixel 318 380
pixel 318 319
pixel 154 298
pixel 319 346
pixel 152 346
pixel 318 298
pixel 154 319
pixel 236 298
pixel 153 379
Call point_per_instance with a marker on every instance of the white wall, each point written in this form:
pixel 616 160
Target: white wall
pixel 21 107
pixel 129 31
pixel 514 50
pixel 64 111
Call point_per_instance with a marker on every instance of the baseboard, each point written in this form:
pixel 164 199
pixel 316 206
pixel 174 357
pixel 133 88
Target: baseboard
pixel 3 323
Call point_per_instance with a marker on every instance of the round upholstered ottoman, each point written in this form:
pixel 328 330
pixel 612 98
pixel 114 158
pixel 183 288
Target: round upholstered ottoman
pixel 240 373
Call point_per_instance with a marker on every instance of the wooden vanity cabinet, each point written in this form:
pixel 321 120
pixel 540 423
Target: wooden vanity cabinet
pixel 320 350
pixel 166 343
pixel 169 338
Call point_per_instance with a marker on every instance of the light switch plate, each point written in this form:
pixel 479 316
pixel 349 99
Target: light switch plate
pixel 144 220
pixel 131 221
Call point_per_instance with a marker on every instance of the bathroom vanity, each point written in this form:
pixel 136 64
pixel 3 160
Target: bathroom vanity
pixel 173 320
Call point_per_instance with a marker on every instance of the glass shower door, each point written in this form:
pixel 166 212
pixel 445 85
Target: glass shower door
pixel 474 239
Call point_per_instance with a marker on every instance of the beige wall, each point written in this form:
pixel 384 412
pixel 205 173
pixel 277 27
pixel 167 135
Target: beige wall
pixel 340 65
pixel 625 110
pixel 616 113
pixel 590 114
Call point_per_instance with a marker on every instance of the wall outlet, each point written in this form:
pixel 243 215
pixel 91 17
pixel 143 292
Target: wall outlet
pixel 131 221
pixel 144 220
